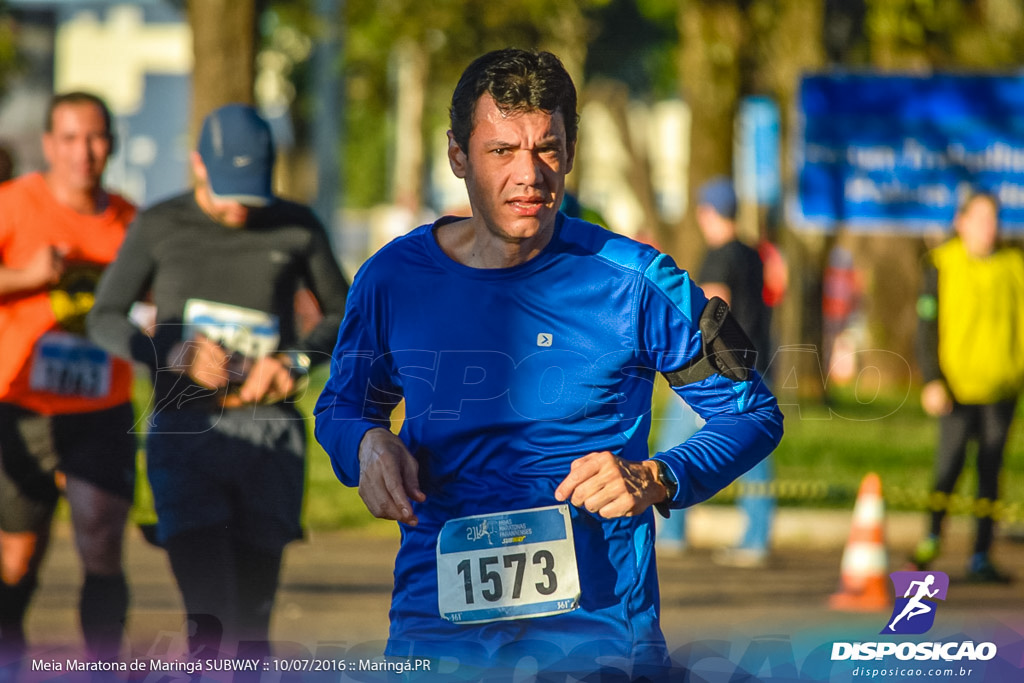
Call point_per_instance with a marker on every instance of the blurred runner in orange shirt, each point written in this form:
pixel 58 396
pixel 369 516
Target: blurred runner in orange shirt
pixel 65 413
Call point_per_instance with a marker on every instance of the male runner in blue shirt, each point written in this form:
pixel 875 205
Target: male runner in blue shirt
pixel 525 344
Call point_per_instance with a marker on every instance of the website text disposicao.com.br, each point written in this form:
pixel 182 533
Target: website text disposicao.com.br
pixel 904 673
pixel 951 660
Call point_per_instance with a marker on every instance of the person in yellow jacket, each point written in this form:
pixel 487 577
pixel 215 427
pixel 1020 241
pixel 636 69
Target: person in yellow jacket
pixel 971 354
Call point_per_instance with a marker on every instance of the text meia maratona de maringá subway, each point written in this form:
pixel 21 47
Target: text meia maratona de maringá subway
pixel 185 666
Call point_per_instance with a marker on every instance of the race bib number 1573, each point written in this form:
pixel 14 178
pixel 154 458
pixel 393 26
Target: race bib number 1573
pixel 508 565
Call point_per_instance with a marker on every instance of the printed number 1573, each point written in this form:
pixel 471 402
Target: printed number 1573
pixel 489 574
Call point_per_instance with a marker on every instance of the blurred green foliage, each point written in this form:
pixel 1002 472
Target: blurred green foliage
pixel 945 34
pixel 832 446
pixel 8 51
pixel 638 42
pixel 446 35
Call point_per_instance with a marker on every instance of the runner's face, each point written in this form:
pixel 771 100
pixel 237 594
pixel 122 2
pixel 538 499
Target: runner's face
pixel 77 146
pixel 514 170
pixel 225 211
pixel 978 226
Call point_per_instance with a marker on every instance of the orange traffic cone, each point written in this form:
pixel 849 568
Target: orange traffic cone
pixel 864 584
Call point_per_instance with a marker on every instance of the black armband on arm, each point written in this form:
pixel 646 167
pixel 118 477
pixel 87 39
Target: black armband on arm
pixel 725 350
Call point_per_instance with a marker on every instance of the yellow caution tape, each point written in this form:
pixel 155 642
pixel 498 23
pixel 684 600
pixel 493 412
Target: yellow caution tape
pixel 1009 512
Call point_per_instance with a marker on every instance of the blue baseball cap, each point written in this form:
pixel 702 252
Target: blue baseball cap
pixel 237 149
pixel 720 196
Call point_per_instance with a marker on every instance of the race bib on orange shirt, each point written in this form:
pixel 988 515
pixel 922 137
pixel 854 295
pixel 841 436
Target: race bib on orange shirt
pixel 70 365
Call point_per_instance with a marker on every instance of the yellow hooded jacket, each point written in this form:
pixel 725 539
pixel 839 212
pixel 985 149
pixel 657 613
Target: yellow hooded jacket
pixel 980 322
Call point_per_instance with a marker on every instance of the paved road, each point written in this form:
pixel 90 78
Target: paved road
pixel 336 590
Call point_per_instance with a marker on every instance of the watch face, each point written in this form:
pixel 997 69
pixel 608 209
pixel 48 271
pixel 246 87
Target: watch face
pixel 666 479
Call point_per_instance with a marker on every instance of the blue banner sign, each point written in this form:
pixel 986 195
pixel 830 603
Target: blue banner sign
pixel 896 153
pixel 758 173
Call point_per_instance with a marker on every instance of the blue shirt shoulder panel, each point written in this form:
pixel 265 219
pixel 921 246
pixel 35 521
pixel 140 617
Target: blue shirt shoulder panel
pixel 676 286
pixel 379 269
pixel 617 250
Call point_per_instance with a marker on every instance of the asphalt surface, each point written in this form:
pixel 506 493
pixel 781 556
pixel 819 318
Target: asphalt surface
pixel 336 590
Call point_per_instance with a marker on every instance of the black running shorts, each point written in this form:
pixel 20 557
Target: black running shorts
pixel 98 447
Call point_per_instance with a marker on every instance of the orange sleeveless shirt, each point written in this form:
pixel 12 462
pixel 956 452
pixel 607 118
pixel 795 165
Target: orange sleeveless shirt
pixel 46 363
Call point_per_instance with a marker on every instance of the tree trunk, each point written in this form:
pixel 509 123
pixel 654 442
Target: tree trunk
pixel 224 43
pixel 410 98
pixel 712 35
pixel 789 55
pixel 614 95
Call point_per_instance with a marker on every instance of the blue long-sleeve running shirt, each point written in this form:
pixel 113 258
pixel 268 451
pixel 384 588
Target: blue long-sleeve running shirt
pixel 508 376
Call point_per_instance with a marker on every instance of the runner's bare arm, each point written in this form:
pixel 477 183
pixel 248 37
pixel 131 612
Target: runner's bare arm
pixel 41 271
pixel 611 486
pixel 719 289
pixel 388 477
pixel 936 399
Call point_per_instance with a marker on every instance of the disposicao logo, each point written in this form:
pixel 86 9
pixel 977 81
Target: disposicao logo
pixel 914 613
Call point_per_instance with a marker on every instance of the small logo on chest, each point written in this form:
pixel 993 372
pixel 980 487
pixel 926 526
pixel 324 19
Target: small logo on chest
pixel 545 339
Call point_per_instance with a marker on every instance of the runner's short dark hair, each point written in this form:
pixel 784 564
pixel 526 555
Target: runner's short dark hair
pixel 79 97
pixel 518 81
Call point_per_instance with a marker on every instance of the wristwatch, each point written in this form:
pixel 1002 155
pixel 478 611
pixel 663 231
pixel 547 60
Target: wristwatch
pixel 667 478
pixel 298 363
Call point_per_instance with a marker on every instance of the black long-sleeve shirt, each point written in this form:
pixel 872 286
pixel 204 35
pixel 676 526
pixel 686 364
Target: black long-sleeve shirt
pixel 177 253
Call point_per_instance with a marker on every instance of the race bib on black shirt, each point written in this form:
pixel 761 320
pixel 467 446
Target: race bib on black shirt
pixel 247 332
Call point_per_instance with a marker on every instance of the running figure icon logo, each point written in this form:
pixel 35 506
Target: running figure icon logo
pixel 914 612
